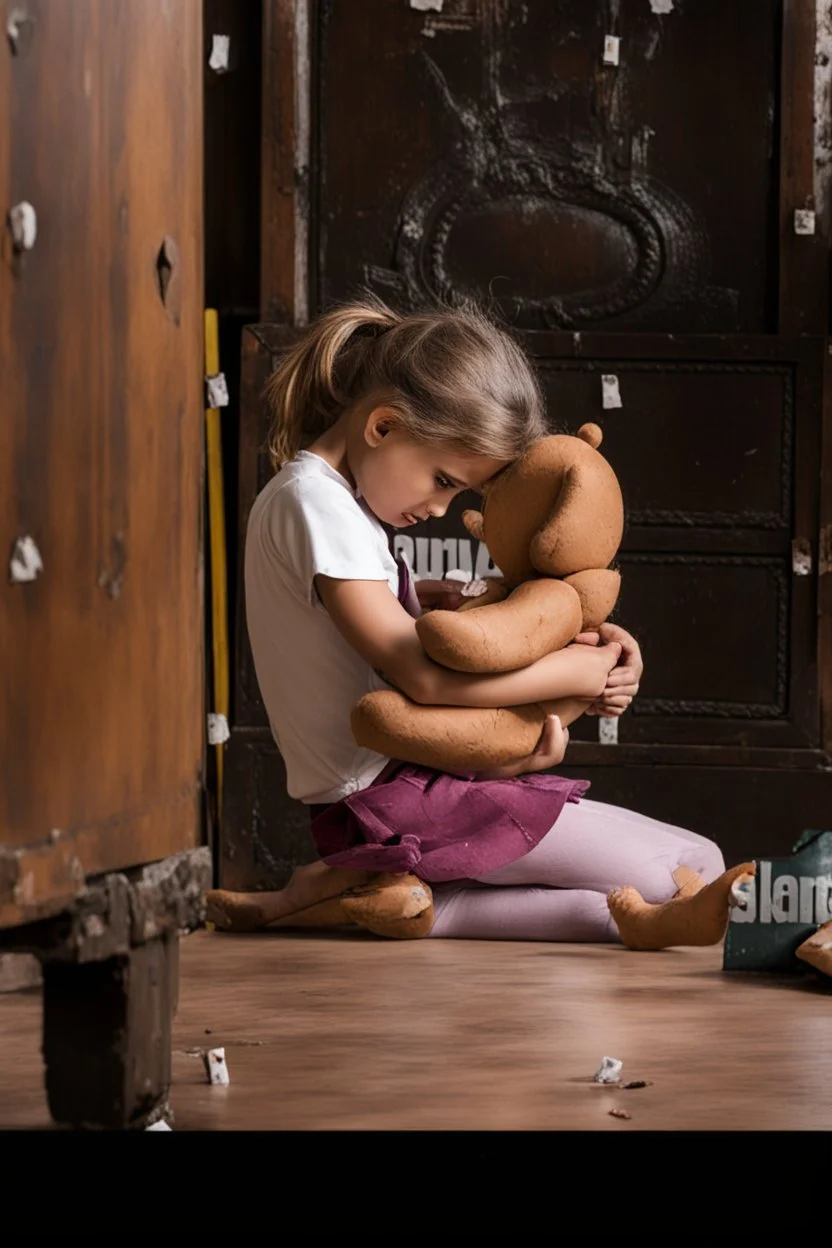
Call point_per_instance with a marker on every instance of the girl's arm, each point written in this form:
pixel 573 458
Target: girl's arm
pixel 371 619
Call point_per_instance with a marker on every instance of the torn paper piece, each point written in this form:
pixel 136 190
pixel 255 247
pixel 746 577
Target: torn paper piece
pixel 215 1066
pixel 801 557
pixel 161 1125
pixel 23 221
pixel 26 562
pixel 619 1113
pixel 804 221
pixel 218 730
pixel 741 891
pixel 220 52
pixel 216 390
pixel 610 393
pixel 474 589
pixel 607 730
pixel 612 46
pixel 661 6
pixel 426 6
pixel 609 1071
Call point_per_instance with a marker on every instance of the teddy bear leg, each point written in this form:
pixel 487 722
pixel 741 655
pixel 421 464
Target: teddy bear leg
pixel 817 950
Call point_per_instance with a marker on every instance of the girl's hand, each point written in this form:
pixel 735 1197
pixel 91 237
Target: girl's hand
pixel 441 595
pixel 624 679
pixel 548 752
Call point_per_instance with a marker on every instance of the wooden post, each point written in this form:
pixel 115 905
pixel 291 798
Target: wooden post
pixel 285 156
pixel 804 260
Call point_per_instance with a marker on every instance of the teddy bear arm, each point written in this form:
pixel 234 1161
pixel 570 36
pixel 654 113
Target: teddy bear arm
pixel 449 738
pixel 598 590
pixel 537 617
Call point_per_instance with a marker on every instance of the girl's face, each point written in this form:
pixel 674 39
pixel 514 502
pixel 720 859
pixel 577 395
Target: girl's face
pixel 404 481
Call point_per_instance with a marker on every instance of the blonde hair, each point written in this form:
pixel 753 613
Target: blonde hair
pixel 453 377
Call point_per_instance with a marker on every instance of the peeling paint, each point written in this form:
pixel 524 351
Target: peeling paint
pixel 425 6
pixel 639 146
pixel 823 107
pixel 825 550
pixel 661 6
pixel 652 45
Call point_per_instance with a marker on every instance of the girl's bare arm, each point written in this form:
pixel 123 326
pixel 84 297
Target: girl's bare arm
pixel 371 619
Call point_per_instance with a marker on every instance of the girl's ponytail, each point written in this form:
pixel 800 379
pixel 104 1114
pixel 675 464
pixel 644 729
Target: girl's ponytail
pixel 321 375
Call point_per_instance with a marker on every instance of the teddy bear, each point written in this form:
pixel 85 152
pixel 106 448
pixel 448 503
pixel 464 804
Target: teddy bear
pixel 552 523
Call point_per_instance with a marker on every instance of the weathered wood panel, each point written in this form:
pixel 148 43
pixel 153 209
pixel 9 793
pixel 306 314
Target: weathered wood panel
pixel 101 731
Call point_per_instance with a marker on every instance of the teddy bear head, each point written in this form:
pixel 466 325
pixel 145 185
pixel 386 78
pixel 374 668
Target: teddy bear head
pixel 556 511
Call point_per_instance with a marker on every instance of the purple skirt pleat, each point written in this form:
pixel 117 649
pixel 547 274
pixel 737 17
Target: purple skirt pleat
pixel 438 826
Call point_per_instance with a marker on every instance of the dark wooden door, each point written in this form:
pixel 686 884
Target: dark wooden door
pixel 641 189
pixel 101 723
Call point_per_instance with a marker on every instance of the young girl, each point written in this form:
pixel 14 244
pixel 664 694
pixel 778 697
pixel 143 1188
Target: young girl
pixel 399 415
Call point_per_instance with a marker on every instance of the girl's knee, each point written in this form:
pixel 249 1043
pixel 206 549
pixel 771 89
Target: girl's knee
pixel 705 859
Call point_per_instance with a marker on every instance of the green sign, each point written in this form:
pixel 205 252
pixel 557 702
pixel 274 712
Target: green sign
pixel 788 901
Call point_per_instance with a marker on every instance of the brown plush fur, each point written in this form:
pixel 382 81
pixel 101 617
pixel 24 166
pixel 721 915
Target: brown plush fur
pixel 552 523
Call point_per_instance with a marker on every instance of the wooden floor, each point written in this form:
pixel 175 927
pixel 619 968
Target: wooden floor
pixel 347 1031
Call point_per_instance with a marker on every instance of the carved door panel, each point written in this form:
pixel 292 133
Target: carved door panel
pixel 640 188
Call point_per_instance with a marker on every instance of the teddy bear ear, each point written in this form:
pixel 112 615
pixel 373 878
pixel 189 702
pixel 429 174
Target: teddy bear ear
pixel 592 434
pixel 473 523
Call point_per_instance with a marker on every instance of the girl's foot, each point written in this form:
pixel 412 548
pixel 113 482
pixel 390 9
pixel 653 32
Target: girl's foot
pixel 697 919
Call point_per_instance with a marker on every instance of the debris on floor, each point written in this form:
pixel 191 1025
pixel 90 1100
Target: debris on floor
pixel 215 1066
pixel 161 1125
pixel 637 1083
pixel 619 1113
pixel 609 1071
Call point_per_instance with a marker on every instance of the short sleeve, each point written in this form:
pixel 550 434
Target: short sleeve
pixel 318 529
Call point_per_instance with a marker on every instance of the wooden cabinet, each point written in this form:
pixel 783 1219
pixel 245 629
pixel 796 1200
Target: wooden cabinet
pixel 101 313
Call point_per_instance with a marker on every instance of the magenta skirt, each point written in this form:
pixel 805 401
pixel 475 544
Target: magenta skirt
pixel 439 826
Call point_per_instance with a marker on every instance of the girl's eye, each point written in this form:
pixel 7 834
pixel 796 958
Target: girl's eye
pixel 444 483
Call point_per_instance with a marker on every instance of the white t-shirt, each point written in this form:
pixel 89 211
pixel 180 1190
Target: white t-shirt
pixel 308 521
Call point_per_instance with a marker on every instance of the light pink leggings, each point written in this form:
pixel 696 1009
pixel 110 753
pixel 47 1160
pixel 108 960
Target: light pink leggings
pixel 558 890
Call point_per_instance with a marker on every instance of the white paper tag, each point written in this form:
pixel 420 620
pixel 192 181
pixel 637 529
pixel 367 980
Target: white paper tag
pixel 218 730
pixel 609 1071
pixel 612 46
pixel 610 393
pixel 26 562
pixel 216 390
pixel 215 1066
pixel 801 557
pixel 24 225
pixel 804 221
pixel 607 730
pixel 220 50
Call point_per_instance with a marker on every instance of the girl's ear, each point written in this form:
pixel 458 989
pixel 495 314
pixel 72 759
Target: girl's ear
pixel 378 424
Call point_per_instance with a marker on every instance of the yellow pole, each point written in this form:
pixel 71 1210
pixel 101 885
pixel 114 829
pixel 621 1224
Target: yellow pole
pixel 216 523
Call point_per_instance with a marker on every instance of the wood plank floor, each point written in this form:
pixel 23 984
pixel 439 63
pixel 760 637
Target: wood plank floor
pixel 346 1031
